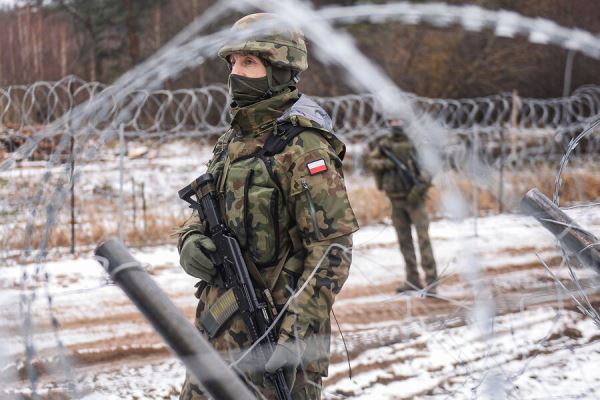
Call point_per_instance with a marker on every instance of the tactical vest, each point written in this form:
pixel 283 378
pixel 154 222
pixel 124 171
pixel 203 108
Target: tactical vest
pixel 253 202
pixel 397 181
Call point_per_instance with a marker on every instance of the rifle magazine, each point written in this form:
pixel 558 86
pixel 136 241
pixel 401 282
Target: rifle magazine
pixel 219 313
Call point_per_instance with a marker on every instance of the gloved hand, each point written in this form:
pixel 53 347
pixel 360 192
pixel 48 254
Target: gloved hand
pixel 287 355
pixel 415 196
pixel 193 257
pixel 387 164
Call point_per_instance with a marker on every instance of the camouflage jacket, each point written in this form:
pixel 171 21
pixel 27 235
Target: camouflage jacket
pixel 286 210
pixel 394 181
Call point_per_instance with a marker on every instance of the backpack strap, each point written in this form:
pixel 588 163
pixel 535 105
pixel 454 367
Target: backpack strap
pixel 283 134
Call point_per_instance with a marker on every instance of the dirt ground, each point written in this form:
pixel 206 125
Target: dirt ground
pixel 109 351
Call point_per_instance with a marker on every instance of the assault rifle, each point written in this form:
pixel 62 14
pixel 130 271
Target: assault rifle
pixel 400 166
pixel 233 272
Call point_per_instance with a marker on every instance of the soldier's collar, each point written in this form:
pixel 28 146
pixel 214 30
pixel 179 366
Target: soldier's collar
pixel 255 118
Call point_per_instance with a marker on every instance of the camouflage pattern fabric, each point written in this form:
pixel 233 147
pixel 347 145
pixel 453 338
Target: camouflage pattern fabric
pixel 388 178
pixel 283 215
pixel 404 213
pixel 403 217
pixel 284 47
pixel 307 387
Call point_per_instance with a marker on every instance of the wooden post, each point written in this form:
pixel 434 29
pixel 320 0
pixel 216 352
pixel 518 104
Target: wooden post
pixel 121 178
pixel 133 203
pixel 501 180
pixel 144 209
pixel 514 122
pixel 73 222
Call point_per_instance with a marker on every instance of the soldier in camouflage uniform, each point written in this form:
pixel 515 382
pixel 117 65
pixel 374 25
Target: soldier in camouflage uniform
pixel 289 211
pixel 394 164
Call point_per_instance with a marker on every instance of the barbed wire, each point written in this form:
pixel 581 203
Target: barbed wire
pixel 502 131
pixel 471 18
pixel 522 130
pixel 24 109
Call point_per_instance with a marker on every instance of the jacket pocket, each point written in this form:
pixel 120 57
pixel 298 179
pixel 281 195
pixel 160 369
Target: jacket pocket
pixel 312 211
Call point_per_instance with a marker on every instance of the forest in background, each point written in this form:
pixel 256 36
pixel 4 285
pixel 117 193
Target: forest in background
pixel 99 40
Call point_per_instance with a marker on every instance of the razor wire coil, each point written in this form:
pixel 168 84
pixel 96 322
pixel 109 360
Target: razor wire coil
pixel 529 130
pixel 202 111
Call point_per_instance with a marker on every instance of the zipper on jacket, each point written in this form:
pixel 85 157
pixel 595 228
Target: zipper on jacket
pixel 311 207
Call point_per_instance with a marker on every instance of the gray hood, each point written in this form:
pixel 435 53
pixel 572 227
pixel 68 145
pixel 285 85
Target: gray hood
pixel 309 109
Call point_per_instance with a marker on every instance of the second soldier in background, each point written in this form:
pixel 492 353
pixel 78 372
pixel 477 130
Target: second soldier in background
pixel 396 168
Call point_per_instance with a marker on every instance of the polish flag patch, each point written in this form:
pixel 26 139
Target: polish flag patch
pixel 317 166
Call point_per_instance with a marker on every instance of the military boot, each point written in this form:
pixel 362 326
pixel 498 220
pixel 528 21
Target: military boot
pixel 432 281
pixel 409 286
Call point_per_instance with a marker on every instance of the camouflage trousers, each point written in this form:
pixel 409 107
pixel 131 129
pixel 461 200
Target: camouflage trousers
pixel 403 217
pixel 306 387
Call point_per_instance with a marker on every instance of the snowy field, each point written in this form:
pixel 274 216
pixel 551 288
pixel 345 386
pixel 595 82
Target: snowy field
pixel 510 319
pixel 501 328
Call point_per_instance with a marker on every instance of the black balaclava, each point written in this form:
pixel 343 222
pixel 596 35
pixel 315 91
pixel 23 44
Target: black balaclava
pixel 398 133
pixel 246 91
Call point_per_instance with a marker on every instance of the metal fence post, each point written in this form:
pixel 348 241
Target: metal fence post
pixel 475 194
pixel 121 182
pixel 133 202
pixel 200 359
pixel 501 180
pixel 73 222
pixel 578 241
pixel 144 211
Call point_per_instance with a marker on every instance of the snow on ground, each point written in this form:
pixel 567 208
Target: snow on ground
pixel 455 244
pixel 462 362
pixel 401 346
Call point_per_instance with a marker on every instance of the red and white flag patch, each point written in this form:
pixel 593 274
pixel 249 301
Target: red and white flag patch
pixel 314 167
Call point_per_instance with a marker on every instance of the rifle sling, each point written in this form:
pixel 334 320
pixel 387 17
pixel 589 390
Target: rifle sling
pixel 256 275
pixel 221 187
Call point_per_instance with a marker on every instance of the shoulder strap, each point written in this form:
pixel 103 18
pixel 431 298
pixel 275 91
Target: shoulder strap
pixel 284 134
pixel 224 172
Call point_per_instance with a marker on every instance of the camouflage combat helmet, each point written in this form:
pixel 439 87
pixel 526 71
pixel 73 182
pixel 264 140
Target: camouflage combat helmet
pixel 283 47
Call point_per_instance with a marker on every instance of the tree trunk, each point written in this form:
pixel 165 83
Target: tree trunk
pixel 63 51
pixel 94 66
pixel 134 44
pixel 39 47
pixel 13 67
pixel 156 24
